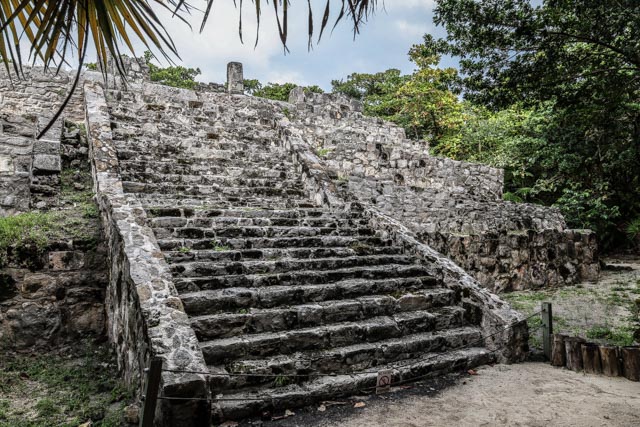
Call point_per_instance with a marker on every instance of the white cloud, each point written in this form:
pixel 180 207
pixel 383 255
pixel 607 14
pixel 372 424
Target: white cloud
pixel 412 30
pixel 410 4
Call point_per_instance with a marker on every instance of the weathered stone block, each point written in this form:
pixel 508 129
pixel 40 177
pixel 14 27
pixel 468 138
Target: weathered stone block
pixel 66 260
pixel 46 163
pixel 6 165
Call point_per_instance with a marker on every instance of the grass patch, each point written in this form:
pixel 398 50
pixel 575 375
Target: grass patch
pixel 65 389
pixel 32 228
pixel 613 336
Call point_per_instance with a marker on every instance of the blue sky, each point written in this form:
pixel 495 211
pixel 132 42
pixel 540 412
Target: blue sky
pixel 383 43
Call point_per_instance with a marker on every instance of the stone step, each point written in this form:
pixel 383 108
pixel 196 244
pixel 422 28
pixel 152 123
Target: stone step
pixel 302 277
pixel 203 168
pixel 437 332
pixel 200 152
pixel 225 244
pixel 243 404
pixel 204 212
pixel 236 222
pixel 316 338
pixel 188 255
pixel 226 202
pixel 252 267
pixel 216 191
pixel 258 320
pixel 235 299
pixel 275 181
pixel 253 232
pixel 239 159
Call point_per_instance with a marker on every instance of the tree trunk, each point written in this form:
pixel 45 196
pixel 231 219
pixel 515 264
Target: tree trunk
pixel 573 352
pixel 558 357
pixel 610 360
pixel 631 363
pixel 591 358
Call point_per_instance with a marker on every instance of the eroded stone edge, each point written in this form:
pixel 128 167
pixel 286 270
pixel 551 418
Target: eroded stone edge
pixel 147 318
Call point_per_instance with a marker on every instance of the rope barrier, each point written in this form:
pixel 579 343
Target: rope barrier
pixel 361 389
pixel 365 372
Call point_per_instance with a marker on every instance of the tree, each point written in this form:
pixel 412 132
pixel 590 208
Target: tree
pixel 58 29
pixel 175 76
pixel 423 103
pixel 276 91
pixel 579 60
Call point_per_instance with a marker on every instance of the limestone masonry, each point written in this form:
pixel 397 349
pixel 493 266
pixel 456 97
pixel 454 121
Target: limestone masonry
pixel 282 253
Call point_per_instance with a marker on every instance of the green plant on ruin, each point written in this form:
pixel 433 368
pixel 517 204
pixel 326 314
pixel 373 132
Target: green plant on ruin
pixel 28 230
pixel 184 249
pixel 220 248
pixel 323 152
pixel 176 76
pixel 281 381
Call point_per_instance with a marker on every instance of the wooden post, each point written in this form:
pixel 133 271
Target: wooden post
pixel 547 329
pixel 558 357
pixel 154 373
pixel 631 362
pixel 573 352
pixel 591 358
pixel 610 360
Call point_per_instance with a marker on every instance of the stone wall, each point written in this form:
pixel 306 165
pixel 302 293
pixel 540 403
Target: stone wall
pixel 146 316
pixel 354 145
pixel 445 202
pixel 52 287
pixel 52 296
pixel 30 169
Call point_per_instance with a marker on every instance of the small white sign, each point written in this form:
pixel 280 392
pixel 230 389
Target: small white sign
pixel 383 385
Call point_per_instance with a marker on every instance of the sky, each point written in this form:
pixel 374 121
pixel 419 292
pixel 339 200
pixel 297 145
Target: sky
pixel 382 44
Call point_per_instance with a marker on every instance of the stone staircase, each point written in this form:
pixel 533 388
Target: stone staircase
pixel 291 302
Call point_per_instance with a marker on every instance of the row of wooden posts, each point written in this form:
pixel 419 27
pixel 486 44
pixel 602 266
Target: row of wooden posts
pixel 579 355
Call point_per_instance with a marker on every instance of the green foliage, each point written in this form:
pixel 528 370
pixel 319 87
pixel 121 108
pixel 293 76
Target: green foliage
pixel 551 94
pixel 275 91
pixel 633 229
pixel 32 229
pixel 423 103
pixel 614 336
pixel 61 389
pixel 323 152
pixel 176 76
pixel 92 66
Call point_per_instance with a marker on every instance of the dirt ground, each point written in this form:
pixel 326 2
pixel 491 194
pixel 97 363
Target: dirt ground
pixel 529 394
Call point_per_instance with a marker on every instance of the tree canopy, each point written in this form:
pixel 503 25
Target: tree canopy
pixel 576 62
pixel 550 92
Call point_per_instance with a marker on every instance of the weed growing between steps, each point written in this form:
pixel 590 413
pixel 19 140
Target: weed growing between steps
pixel 607 311
pixel 65 387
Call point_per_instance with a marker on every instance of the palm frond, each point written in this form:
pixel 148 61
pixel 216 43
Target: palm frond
pixel 55 28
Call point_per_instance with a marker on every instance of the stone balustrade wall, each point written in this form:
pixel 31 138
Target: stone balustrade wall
pixel 445 202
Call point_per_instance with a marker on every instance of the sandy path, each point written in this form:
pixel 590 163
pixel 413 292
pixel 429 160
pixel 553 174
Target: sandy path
pixel 529 394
